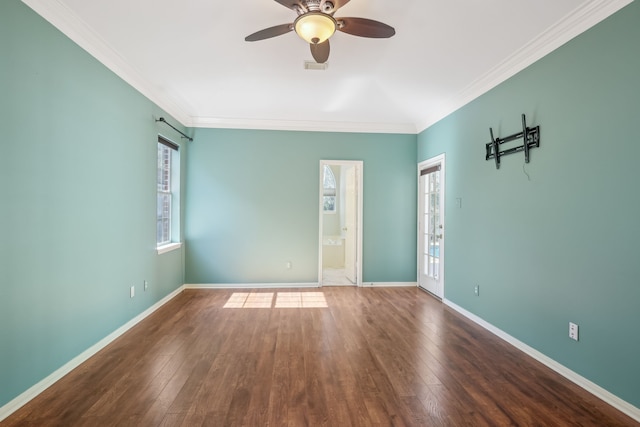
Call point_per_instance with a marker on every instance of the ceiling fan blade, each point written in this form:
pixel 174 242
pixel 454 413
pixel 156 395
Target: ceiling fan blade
pixel 267 33
pixel 291 4
pixel 320 52
pixel 339 3
pixel 365 28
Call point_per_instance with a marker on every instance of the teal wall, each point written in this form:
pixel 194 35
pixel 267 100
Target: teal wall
pixel 253 201
pixel 77 217
pixel 77 224
pixel 564 245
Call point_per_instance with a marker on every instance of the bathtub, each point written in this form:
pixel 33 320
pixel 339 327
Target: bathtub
pixel 333 252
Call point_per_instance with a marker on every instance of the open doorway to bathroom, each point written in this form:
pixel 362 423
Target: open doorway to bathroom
pixel 340 251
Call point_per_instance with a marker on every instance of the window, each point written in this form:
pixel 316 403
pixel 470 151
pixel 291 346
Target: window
pixel 329 190
pixel 167 188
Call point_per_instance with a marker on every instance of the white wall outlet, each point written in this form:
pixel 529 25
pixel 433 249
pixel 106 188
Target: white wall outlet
pixel 146 285
pixel 476 290
pixel 459 202
pixel 573 331
pixel 132 291
pixel 288 265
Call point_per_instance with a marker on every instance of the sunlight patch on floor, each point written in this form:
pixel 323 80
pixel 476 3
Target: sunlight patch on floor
pixel 301 300
pixel 282 300
pixel 250 300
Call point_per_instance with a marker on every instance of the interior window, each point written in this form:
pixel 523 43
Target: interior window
pixel 329 184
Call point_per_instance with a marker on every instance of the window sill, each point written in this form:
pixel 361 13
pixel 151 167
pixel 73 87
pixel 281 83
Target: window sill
pixel 168 247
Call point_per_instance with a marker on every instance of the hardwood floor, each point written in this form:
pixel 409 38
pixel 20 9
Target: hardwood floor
pixel 372 357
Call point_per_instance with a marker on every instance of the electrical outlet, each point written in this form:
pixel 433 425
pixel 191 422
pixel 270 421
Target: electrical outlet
pixel 476 290
pixel 573 331
pixel 288 265
pixel 146 285
pixel 132 291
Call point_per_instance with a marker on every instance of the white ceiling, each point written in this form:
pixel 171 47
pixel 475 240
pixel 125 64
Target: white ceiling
pixel 190 57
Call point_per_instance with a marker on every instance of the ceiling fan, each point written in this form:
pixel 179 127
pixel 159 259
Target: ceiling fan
pixel 315 24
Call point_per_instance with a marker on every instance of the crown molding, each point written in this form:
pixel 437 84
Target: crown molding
pixel 59 15
pixel 303 125
pixel 575 23
pixel 66 21
pixel 572 25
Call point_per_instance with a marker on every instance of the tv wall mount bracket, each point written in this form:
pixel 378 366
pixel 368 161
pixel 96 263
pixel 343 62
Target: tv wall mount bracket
pixel 530 136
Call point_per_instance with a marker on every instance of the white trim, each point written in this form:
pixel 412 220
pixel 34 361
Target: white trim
pixel 390 284
pixel 292 285
pixel 168 247
pixel 250 285
pixel 51 379
pixel 302 125
pixel 440 159
pixel 573 24
pixel 359 165
pixel 579 20
pixel 572 376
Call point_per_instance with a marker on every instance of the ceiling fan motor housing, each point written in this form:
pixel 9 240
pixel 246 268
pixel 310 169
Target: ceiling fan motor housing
pixel 325 6
pixel 328 7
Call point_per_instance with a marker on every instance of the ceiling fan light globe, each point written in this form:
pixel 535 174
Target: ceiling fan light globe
pixel 315 27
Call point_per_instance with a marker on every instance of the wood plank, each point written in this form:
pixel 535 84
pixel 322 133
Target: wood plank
pixel 373 357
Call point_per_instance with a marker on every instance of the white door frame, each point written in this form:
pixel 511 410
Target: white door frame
pixel 439 159
pixel 359 165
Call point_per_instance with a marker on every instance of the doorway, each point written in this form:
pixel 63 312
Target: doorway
pixel 340 225
pixel 431 231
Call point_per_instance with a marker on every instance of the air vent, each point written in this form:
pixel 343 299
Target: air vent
pixel 312 65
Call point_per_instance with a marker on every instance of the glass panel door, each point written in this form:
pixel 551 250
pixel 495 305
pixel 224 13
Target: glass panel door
pixel 431 229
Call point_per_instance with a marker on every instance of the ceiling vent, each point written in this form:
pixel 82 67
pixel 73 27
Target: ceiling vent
pixel 313 65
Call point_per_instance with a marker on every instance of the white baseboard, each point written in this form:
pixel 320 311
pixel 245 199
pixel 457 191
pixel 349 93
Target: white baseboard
pixel 596 390
pixel 47 382
pixel 250 285
pixel 589 386
pixel 292 285
pixel 389 284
